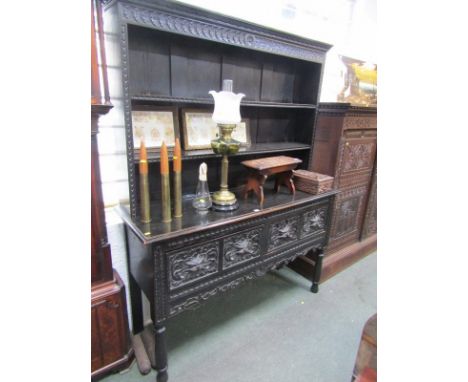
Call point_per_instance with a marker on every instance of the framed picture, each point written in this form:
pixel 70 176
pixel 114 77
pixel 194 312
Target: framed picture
pixel 200 129
pixel 154 124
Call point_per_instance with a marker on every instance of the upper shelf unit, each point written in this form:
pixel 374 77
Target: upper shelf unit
pixel 174 68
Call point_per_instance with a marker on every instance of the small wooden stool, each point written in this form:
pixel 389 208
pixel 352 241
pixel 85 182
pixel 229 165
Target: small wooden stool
pixel 259 169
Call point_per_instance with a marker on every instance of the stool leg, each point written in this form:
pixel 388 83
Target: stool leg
pixel 285 178
pixel 255 183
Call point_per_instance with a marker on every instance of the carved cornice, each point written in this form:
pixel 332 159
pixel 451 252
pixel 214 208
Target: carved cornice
pixel 222 32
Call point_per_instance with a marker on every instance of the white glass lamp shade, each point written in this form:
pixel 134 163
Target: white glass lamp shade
pixel 227 106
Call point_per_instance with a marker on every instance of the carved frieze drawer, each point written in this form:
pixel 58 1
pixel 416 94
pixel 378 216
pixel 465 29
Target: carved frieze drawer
pixel 193 263
pixel 283 232
pixel 241 247
pixel 314 222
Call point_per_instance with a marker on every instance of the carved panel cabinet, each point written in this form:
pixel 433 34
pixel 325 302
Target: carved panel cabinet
pixel 345 147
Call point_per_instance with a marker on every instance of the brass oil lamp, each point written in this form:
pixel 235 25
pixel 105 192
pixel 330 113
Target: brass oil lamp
pixel 227 115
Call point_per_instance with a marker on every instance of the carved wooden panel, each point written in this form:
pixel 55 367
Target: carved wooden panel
pixel 370 221
pixel 212 287
pixel 347 217
pixel 357 156
pixel 283 232
pixel 360 122
pixel 356 160
pixel 241 247
pixel 314 221
pixel 191 264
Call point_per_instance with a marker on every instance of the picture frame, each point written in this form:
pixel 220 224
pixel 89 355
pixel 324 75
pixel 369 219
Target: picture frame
pixel 156 124
pixel 199 129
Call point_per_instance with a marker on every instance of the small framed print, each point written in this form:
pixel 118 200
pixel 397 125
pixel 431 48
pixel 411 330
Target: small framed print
pixel 199 130
pixel 155 125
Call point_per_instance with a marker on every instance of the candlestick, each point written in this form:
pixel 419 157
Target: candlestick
pixel 177 156
pixel 144 187
pixel 165 186
pixel 177 180
pixel 164 159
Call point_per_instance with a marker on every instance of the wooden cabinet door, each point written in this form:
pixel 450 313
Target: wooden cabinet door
pixel 356 158
pixel 106 331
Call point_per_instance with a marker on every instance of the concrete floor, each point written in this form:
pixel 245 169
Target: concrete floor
pixel 272 329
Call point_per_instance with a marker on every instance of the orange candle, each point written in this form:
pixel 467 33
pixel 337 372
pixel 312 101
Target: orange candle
pixel 164 160
pixel 143 158
pixel 177 156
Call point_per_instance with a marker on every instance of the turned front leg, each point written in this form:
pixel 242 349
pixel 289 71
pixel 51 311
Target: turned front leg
pixel 160 352
pixel 317 271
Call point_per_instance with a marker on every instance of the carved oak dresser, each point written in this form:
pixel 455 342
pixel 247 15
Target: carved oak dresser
pixel 165 55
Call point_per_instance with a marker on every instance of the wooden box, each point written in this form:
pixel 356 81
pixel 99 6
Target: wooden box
pixel 312 182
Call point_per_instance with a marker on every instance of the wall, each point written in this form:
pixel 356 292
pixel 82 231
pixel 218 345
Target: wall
pixel 349 25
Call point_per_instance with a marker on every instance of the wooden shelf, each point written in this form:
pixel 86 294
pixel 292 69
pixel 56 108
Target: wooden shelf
pixel 259 148
pixel 208 101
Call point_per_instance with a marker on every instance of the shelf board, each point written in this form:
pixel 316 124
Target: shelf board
pixel 209 101
pixel 259 148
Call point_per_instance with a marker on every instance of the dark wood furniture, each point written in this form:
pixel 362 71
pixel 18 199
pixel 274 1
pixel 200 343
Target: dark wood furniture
pixel 110 343
pixel 180 265
pixel 169 54
pixel 345 147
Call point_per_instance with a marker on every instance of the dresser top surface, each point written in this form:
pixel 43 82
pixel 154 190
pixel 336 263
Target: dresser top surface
pixel 194 221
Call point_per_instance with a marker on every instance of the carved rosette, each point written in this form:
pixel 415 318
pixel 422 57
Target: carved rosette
pixel 241 247
pixel 283 232
pixel 314 221
pixel 357 156
pixel 192 264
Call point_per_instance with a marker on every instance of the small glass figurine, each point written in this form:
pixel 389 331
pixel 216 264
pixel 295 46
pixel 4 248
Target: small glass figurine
pixel 202 201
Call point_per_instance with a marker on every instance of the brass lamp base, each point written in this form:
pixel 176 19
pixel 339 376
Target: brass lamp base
pixel 224 200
